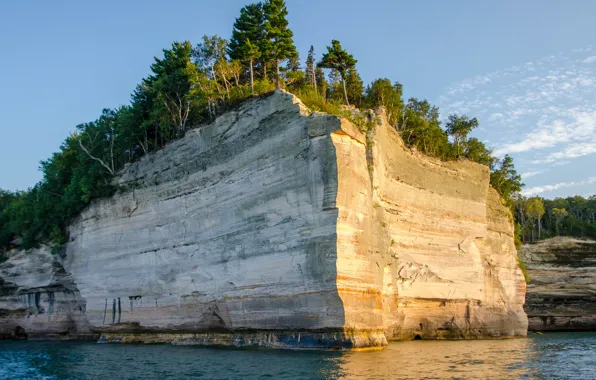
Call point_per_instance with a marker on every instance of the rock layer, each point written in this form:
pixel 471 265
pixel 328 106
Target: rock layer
pixel 280 227
pixel 561 295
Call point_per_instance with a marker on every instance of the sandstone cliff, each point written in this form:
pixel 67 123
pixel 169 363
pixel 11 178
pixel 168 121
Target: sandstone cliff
pixel 280 227
pixel 561 295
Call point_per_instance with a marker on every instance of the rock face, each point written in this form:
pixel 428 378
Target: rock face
pixel 561 295
pixel 280 227
pixel 39 299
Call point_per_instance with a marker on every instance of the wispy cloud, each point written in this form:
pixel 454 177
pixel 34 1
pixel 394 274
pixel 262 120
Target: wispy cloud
pixel 541 112
pixel 531 174
pixel 561 185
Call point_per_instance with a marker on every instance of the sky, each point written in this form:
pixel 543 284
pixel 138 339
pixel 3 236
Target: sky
pixel 526 70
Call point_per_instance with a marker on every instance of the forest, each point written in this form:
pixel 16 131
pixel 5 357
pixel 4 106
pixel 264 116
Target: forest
pixel 190 85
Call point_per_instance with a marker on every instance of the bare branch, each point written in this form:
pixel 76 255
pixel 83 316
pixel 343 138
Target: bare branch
pixel 95 158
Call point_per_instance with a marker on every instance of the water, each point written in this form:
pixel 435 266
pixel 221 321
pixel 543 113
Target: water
pixel 550 356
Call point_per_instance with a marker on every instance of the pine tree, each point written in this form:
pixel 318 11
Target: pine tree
pixel 248 37
pixel 279 45
pixel 338 59
pixel 310 69
pixel 354 87
pixel 321 82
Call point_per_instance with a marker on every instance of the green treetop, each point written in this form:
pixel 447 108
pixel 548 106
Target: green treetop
pixel 279 45
pixel 310 69
pixel 248 37
pixel 338 59
pixel 459 127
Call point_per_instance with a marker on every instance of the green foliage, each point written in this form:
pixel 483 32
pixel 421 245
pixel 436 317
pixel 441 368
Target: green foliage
pixel 524 270
pixel 355 88
pixel 310 69
pixel 504 178
pixel 459 127
pixel 421 129
pixel 279 45
pixel 381 93
pixel 339 60
pixel 541 218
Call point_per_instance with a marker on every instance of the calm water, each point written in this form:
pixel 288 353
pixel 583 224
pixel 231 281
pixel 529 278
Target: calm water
pixel 551 356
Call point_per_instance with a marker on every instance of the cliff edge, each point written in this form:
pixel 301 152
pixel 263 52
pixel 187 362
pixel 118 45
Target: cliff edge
pixel 280 227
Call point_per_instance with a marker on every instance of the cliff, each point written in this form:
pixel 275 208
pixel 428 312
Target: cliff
pixel 280 227
pixel 561 295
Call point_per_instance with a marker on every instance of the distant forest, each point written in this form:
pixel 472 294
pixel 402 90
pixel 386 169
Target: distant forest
pixel 538 218
pixel 190 86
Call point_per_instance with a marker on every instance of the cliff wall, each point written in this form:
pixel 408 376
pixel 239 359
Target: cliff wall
pixel 561 295
pixel 280 227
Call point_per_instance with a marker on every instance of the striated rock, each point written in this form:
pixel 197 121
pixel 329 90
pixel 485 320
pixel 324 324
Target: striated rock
pixel 561 295
pixel 39 299
pixel 279 227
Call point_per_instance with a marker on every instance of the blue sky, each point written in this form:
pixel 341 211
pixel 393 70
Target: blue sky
pixel 526 70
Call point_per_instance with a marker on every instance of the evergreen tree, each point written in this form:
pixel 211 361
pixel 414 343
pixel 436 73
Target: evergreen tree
pixel 310 69
pixel 321 82
pixel 354 87
pixel 338 59
pixel 248 37
pixel 279 45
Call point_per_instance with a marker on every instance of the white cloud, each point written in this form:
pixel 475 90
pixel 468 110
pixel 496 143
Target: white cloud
pixel 571 151
pixel 561 185
pixel 541 112
pixel 531 174
pixel 542 137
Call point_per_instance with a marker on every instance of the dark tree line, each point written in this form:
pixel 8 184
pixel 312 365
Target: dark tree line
pixel 190 85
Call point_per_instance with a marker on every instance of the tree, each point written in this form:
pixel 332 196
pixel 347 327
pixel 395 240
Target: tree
pixel 382 93
pixel 476 151
pixel 504 178
pixel 338 59
pixel 321 82
pixel 173 87
pixel 354 87
pixel 97 140
pixel 248 36
pixel 279 45
pixel 310 69
pixel 535 211
pixel 560 214
pixel 208 53
pixel 459 127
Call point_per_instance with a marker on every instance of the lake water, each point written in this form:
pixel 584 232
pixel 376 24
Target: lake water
pixel 550 356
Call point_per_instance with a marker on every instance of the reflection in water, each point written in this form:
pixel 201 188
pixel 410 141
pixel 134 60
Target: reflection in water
pixel 551 356
pixel 441 359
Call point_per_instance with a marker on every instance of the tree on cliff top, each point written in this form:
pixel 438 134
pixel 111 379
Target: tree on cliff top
pixel 248 37
pixel 504 178
pixel 338 59
pixel 279 45
pixel 310 69
pixel 459 127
